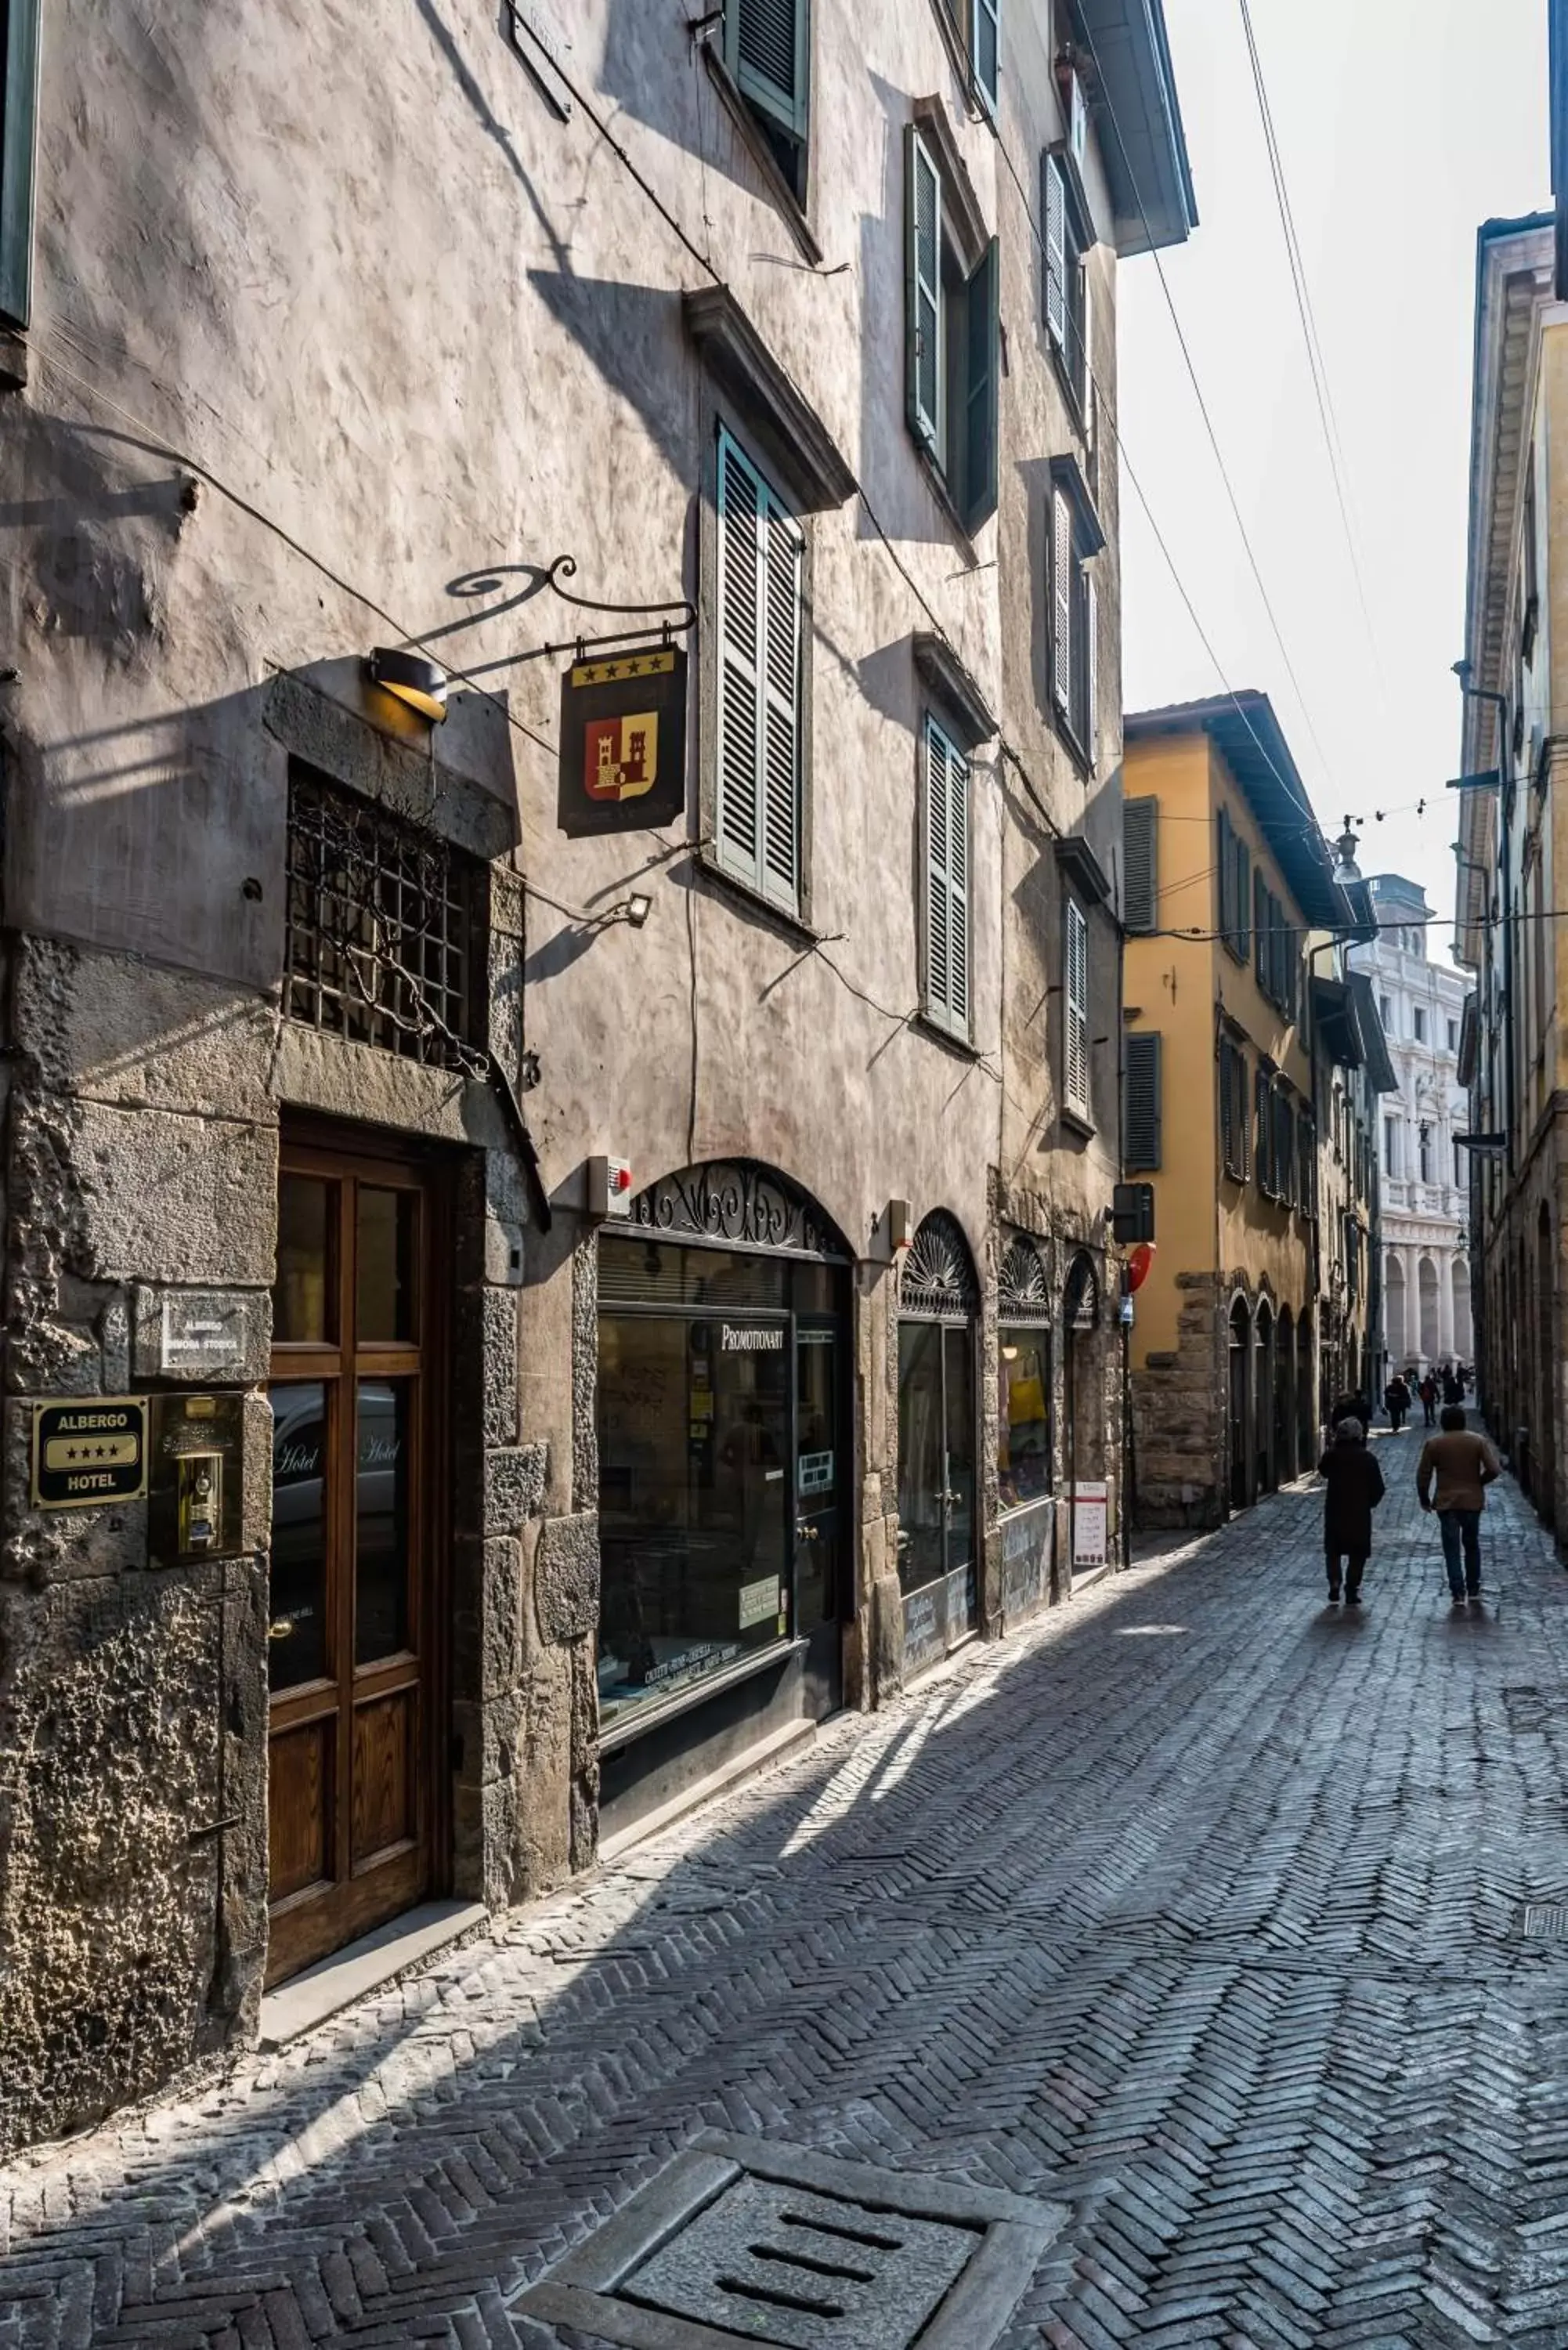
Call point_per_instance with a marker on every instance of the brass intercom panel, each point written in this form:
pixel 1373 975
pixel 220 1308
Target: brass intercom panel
pixel 196 1479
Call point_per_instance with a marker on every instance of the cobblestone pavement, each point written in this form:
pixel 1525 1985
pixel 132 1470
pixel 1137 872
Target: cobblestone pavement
pixel 1197 1906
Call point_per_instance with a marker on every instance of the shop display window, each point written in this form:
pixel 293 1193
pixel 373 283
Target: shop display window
pixel 1023 1414
pixel 719 1461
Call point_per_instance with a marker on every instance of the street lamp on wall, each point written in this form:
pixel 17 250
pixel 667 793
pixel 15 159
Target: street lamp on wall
pixel 412 679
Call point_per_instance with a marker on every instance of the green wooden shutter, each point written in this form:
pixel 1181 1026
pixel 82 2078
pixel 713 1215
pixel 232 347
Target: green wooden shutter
pixel 1225 866
pixel 1142 1137
pixel 1140 858
pixel 925 326
pixel 1062 600
pixel 767 47
pixel 1054 208
pixel 1261 931
pixel 18 132
pixel 1243 893
pixel 983 389
pixel 947 881
pixel 1089 731
pixel 758 681
pixel 782 710
pixel 986 49
pixel 1076 993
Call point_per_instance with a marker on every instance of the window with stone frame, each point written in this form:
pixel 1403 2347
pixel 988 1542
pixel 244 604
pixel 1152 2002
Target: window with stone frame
pixel 953 323
pixel 384 930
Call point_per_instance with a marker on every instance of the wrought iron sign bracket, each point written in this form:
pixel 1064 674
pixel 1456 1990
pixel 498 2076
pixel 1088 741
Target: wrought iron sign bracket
pixel 665 630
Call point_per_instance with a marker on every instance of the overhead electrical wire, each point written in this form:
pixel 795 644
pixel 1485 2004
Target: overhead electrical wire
pixel 1317 365
pixel 1203 409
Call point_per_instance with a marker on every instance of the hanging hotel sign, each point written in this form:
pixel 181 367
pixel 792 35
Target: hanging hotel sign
pixel 623 743
pixel 89 1450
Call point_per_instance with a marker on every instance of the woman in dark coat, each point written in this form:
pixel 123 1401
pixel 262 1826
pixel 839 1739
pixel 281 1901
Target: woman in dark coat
pixel 1354 1482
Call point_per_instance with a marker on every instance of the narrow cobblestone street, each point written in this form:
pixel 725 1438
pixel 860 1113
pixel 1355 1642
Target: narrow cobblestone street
pixel 1198 1908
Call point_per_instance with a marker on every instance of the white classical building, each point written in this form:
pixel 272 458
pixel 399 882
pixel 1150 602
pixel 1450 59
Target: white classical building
pixel 1425 1262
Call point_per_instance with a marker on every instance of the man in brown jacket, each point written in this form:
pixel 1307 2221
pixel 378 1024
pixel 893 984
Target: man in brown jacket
pixel 1462 1465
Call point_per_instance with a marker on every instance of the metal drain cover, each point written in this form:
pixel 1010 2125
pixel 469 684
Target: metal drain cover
pixel 738 2243
pixel 1544 1921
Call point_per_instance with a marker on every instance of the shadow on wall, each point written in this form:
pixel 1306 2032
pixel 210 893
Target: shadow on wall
pixel 552 2064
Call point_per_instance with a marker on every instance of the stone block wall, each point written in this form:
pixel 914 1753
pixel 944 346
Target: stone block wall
pixel 1179 1409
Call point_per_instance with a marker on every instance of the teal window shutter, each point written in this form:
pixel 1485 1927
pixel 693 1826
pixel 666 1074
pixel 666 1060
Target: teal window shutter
pixel 1056 211
pixel 925 327
pixel 1243 887
pixel 18 134
pixel 759 717
pixel 947 881
pixel 767 48
pixel 985 50
pixel 1140 855
pixel 983 389
pixel 1141 1112
pixel 1261 932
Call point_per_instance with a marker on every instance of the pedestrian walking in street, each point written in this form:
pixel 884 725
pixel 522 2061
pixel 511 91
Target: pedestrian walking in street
pixel 1396 1400
pixel 1451 1476
pixel 1350 1407
pixel 1428 1392
pixel 1354 1487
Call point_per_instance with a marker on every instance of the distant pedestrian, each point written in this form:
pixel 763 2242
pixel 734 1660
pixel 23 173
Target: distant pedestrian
pixel 1396 1401
pixel 1354 1487
pixel 1460 1465
pixel 1428 1392
pixel 1351 1407
pixel 1453 1386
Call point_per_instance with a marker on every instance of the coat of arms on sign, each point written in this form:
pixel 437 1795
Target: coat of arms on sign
pixel 623 741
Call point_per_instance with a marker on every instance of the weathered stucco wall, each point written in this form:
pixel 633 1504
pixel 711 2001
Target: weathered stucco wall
pixel 341 336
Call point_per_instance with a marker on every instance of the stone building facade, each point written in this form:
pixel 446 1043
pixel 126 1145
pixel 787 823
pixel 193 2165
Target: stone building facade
pixel 567 1200
pixel 1514 851
pixel 1424 1172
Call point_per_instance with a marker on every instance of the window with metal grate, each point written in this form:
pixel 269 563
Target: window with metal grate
pixel 385 929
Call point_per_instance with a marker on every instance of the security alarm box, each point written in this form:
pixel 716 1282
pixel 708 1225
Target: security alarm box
pixel 610 1187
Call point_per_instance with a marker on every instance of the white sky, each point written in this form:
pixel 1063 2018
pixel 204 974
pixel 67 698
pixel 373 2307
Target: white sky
pixel 1403 124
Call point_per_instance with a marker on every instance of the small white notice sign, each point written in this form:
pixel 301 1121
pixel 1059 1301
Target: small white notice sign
pixel 758 1601
pixel 202 1332
pixel 1091 1515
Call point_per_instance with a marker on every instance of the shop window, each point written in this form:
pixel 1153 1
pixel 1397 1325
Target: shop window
pixel 759 724
pixel 18 131
pixel 1023 1435
pixel 384 930
pixel 953 335
pixel 767 49
pixel 724 1474
pixel 946 847
pixel 939 1304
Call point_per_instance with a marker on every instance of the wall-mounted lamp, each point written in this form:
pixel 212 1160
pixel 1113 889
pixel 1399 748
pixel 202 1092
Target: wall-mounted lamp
pixel 410 678
pixel 634 909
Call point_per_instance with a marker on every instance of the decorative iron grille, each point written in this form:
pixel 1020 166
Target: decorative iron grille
pixel 1023 1294
pixel 939 1280
pixel 385 929
pixel 738 1202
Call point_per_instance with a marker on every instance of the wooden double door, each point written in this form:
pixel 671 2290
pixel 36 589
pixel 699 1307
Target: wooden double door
pixel 356 1645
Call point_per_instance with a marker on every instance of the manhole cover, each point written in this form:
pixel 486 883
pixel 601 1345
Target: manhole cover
pixel 1544 1921
pixel 738 2243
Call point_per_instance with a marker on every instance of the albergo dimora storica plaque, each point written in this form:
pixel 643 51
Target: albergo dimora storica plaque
pixel 623 741
pixel 90 1450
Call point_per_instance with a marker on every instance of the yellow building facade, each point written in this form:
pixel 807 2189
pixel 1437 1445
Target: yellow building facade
pixel 1227 875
